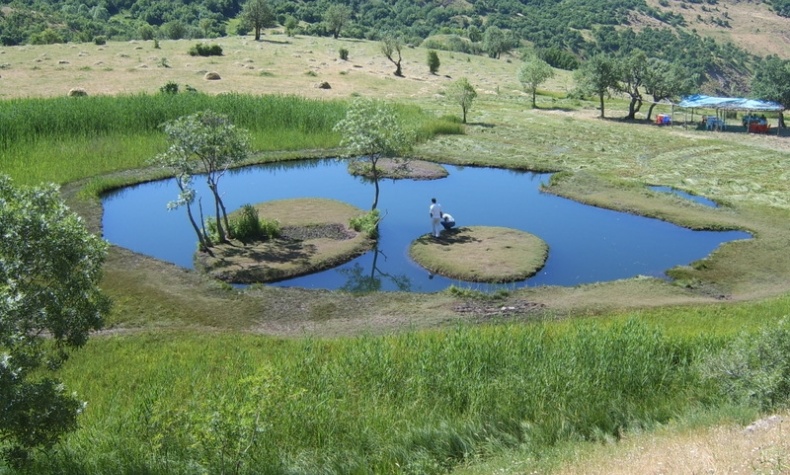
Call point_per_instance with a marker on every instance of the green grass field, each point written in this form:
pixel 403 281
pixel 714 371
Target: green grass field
pixel 192 376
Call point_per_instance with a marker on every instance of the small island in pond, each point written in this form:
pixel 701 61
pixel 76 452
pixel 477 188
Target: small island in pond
pixel 481 254
pixel 397 169
pixel 315 235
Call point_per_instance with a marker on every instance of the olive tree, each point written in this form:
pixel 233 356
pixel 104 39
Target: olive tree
pixel 461 92
pixel 336 17
pixel 391 46
pixel 533 73
pixel 371 130
pixel 771 82
pixel 257 14
pixel 205 142
pixel 50 267
pixel 597 76
pixel 631 72
pixel 665 80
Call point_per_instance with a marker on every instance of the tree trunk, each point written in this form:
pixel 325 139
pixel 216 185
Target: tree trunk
pixel 781 124
pixel 534 93
pixel 375 173
pixel 220 227
pixel 650 111
pixel 398 71
pixel 257 33
pixel 600 96
pixel 464 114
pixel 634 106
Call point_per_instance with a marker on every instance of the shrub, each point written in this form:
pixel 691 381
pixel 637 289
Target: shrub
pixel 367 223
pixel 100 40
pixel 433 61
pixel 169 88
pixel 247 226
pixel 754 369
pixel 343 54
pixel 201 49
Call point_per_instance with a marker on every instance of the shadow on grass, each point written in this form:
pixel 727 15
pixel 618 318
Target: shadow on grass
pixel 448 237
pixel 277 251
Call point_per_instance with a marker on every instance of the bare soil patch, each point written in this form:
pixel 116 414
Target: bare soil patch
pixel 315 236
pixel 481 254
pixel 399 169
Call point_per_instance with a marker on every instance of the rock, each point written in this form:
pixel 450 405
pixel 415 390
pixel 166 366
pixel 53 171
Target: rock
pixel 77 92
pixel 212 76
pixel 323 85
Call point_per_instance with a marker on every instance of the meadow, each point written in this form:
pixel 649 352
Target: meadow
pixel 192 376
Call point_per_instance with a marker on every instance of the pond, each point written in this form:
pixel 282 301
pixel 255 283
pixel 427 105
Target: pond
pixel 586 244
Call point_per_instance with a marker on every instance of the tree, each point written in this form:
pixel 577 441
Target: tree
pixel 533 73
pixel 50 301
pixel 771 82
pixel 257 14
pixel 631 72
pixel 474 34
pixel 291 25
pixel 433 62
pixel 205 142
pixel 371 130
pixel 664 80
pixel 391 46
pixel 597 76
pixel 461 92
pixel 336 17
pixel 495 42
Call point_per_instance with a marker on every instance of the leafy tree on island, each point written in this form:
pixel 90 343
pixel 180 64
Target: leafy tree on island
pixel 597 76
pixel 533 73
pixel 433 62
pixel 391 46
pixel 371 130
pixel 631 72
pixel 462 92
pixel 664 80
pixel 336 17
pixel 771 82
pixel 257 14
pixel 49 303
pixel 205 142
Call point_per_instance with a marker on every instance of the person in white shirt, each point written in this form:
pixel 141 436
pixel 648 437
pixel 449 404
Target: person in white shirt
pixel 447 221
pixel 436 216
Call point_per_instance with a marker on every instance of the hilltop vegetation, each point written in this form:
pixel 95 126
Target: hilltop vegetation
pixel 690 33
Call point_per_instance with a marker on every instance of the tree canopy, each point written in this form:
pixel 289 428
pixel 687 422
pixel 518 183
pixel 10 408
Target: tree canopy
pixel 50 267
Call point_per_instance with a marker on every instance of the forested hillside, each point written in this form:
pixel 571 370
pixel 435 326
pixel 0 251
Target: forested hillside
pixel 692 33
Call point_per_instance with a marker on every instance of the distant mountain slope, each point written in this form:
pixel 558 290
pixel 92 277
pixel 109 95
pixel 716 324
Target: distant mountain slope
pixel 720 40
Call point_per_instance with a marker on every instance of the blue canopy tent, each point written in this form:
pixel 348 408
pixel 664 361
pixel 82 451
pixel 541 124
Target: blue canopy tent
pixel 725 104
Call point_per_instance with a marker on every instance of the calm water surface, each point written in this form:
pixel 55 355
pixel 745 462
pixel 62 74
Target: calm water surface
pixel 586 244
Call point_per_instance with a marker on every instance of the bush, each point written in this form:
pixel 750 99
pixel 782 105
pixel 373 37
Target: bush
pixel 343 54
pixel 433 61
pixel 201 49
pixel 754 369
pixel 169 88
pixel 100 40
pixel 367 223
pixel 247 226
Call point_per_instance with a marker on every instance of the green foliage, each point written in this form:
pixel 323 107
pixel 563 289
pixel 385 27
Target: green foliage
pixel 533 73
pixel 343 53
pixel 247 226
pixel 754 369
pixel 169 88
pixel 336 16
pixel 462 92
pixel 49 303
pixel 257 14
pixel 433 62
pixel 427 401
pixel 771 80
pixel 60 139
pixel 373 129
pixel 100 40
pixel 201 49
pixel 368 223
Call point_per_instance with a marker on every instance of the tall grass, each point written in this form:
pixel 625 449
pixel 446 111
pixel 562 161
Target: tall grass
pixel 64 139
pixel 413 403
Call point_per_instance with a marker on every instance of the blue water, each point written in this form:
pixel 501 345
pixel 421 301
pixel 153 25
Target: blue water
pixel 586 244
pixel 695 198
